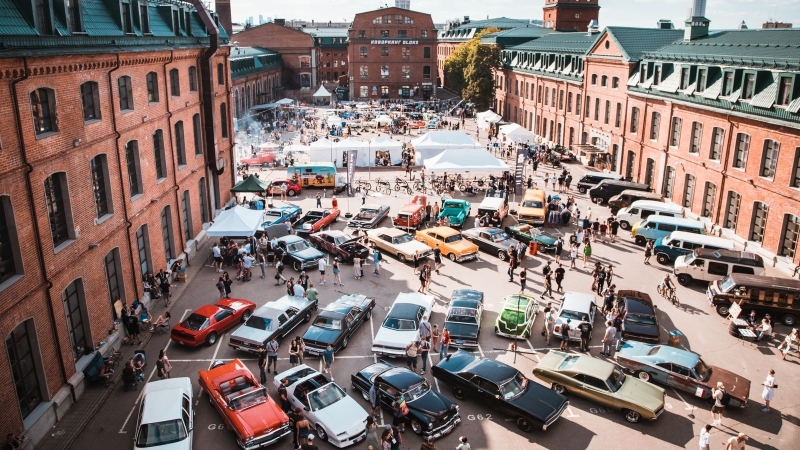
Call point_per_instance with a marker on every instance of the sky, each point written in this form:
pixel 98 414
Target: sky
pixel 639 13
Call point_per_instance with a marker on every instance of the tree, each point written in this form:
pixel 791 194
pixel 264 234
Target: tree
pixel 479 76
pixel 456 64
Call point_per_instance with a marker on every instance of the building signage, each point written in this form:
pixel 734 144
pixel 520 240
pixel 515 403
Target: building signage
pixel 393 42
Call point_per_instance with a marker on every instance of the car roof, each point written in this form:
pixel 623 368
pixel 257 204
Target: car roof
pixel 405 310
pixel 492 370
pixel 372 206
pixel 466 294
pixel 638 306
pixel 291 300
pixel 207 310
pixel 415 298
pixel 401 377
pixel 290 238
pixel 593 366
pixel 577 301
pixel 510 303
pixel 387 231
pixel 663 206
pixel 680 356
pixel 456 201
pixel 444 231
pixel 167 399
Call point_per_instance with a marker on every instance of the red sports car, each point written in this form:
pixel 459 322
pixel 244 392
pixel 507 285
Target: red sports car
pixel 292 188
pixel 209 321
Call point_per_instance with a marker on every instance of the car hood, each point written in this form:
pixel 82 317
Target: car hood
pixel 251 334
pixel 395 338
pixel 462 330
pixel 261 419
pixel 432 404
pixel 452 212
pixel 308 254
pixel 539 401
pixel 413 246
pixel 346 415
pixel 640 329
pixel 735 385
pixel 545 239
pixel 321 335
pixel 642 393
pixel 464 246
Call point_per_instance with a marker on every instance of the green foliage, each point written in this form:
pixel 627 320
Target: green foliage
pixel 457 65
pixel 479 76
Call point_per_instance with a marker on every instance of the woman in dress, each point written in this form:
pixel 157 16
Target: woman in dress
pixel 357 268
pixel 302 427
pixel 228 283
pixel 648 252
pixel 294 360
pixel 373 438
pixel 337 279
pixel 162 358
pixel 769 390
pixel 301 348
pixel 422 279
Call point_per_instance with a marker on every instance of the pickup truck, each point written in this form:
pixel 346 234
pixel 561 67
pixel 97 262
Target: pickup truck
pixel 368 217
pixel 315 219
pixel 413 214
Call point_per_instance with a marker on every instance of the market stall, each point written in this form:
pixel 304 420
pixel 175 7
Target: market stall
pixel 385 151
pixel 236 222
pixel 322 151
pixel 435 142
pixel 515 133
pixel 322 96
pixel 487 118
pixel 339 149
pixel 464 160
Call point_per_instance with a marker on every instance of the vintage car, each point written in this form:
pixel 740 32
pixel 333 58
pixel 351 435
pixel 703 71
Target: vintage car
pixel 502 387
pixel 517 317
pixel 601 382
pixel 275 319
pixel 337 322
pixel 639 318
pixel 413 214
pixel 244 405
pixel 430 414
pixel 208 322
pixel 166 416
pixel 292 188
pixel 281 214
pixel 316 219
pixel 332 414
pixel 682 370
pixel 455 212
pixel 491 240
pixel 495 201
pixel 398 243
pixel 299 253
pixel 401 325
pixel 527 234
pixel 574 307
pixel 339 244
pixel 368 217
pixel 449 242
pixel 463 319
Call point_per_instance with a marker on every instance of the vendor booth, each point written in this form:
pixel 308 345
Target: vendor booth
pixel 236 222
pixel 341 148
pixel 322 96
pixel 385 151
pixel 464 160
pixel 435 142
pixel 487 118
pixel 515 133
pixel 322 151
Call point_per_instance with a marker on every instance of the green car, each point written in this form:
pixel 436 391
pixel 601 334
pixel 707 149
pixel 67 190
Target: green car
pixel 601 382
pixel 517 317
pixel 455 211
pixel 527 234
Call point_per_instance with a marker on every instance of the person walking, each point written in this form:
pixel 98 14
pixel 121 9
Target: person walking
pixel 221 287
pixel 560 272
pixel 357 272
pixel 376 261
pixel 322 265
pixel 548 286
pixel 523 278
pixel 327 359
pixel 217 252
pixel 374 400
pixel 565 327
pixel 373 440
pixel 228 283
pixel 511 269
pixel 463 444
pixel 648 252
pixel 399 410
pixel 262 364
pixel 587 253
pixel 437 259
pixel 445 347
pixel 411 355
pixel 337 278
pixel 319 200
pixel 716 410
pixel 435 338
pixel 786 345
pixel 769 390
pixel 736 442
pixel 425 328
pixel 586 333
pixel 272 355
pixel 424 349
pixel 303 430
pixel 416 260
pixel 294 348
pixel 549 325
pixel 705 437
pixel 423 280
pixel 608 339
pixel 546 310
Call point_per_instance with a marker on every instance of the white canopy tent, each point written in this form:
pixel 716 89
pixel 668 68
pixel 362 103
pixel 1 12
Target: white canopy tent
pixel 322 94
pixel 334 120
pixel 435 142
pixel 285 101
pixel 237 221
pixel 362 158
pixel 383 143
pixel 464 160
pixel 516 133
pixel 322 151
pixel 487 118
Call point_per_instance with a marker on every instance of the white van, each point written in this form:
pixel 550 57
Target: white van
pixel 641 209
pixel 679 243
pixel 710 265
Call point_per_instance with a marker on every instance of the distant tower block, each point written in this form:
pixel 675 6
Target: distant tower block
pixel 570 15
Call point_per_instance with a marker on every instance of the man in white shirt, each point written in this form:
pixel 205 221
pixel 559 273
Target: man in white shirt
pixel 608 339
pixel 248 261
pixel 705 438
pixel 322 265
pixel 298 290
pixel 217 257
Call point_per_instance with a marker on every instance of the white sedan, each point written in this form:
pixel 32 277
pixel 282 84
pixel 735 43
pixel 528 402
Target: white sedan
pixel 166 416
pixel 574 307
pixel 401 325
pixel 334 415
pixel 399 243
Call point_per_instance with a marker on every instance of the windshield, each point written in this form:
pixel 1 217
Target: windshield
pixel 325 396
pixel 250 399
pixel 261 323
pixel 453 238
pixel 690 258
pixel 328 323
pixel 567 314
pixel 448 205
pixel 532 204
pixel 160 433
pixel 417 391
pixel 702 370
pixel 726 284
pixel 497 237
pixel 393 323
pixel 642 319
pixel 274 213
pixel 514 387
pixel 616 380
pixel 298 246
pixel 403 238
pixel 463 315
pixel 195 322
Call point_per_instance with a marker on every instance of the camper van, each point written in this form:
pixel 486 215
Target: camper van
pixel 642 209
pixel 318 175
pixel 609 188
pixel 680 243
pixel 708 265
pixel 656 227
pixel 779 297
pixel 628 196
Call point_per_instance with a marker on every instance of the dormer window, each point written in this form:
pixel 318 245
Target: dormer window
pixel 176 23
pixel 749 86
pixel 702 78
pixel 685 74
pixel 44 17
pixel 187 22
pixel 643 73
pixel 74 13
pixel 785 91
pixel 656 75
pixel 727 83
pixel 127 18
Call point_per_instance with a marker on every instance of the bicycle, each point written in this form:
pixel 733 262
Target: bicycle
pixel 669 294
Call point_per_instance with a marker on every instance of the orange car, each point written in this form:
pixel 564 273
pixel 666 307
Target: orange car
pixel 450 243
pixel 411 216
pixel 244 405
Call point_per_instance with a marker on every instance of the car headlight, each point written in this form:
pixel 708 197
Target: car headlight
pixel 544 427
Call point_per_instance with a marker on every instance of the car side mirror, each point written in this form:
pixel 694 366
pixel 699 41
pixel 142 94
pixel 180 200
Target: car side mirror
pixel 306 409
pixel 497 396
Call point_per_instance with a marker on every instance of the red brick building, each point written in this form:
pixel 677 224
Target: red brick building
pixel 113 158
pixel 392 54
pixel 570 15
pixel 256 78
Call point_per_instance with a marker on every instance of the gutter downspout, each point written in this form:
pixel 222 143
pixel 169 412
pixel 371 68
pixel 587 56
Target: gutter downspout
pixel 175 188
pixel 35 217
pixel 726 155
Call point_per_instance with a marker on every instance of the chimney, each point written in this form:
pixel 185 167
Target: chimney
pixel 594 27
pixel 281 22
pixel 698 8
pixel 665 24
pixel 223 10
pixel 696 25
pixel 466 20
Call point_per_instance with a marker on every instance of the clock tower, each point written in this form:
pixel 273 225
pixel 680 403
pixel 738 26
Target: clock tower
pixel 570 15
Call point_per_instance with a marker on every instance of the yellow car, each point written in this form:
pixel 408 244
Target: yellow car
pixel 450 243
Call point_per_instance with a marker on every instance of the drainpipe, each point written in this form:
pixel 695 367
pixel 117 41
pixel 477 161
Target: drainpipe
pixel 175 188
pixel 35 216
pixel 724 155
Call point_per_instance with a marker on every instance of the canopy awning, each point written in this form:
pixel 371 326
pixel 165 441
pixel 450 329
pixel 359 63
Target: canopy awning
pixel 516 133
pixel 285 101
pixel 250 184
pixel 322 92
pixel 464 160
pixel 264 107
pixel 237 221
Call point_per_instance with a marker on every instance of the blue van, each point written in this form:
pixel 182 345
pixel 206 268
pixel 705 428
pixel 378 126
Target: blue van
pixel 679 243
pixel 656 227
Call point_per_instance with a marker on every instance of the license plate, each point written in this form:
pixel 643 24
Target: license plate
pixel 311 350
pixel 359 439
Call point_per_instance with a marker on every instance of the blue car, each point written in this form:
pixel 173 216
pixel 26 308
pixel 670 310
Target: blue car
pixel 281 214
pixel 299 252
pixel 455 211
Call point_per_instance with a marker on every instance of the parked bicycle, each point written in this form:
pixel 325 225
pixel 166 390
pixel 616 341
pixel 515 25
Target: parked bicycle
pixel 383 186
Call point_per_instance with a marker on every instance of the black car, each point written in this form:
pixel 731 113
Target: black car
pixel 337 322
pixel 491 240
pixel 639 318
pixel 340 245
pixel 299 253
pixel 463 319
pixel 501 387
pixel 430 414
pixel 369 216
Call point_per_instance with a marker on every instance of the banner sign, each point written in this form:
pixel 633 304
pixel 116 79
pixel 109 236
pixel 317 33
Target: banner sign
pixel 518 171
pixel 393 42
pixel 351 172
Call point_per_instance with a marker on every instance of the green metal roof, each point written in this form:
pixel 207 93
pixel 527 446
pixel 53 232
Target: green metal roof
pixel 250 60
pixel 12 21
pixel 515 36
pixel 556 42
pixel 97 20
pixel 634 42
pixel 499 22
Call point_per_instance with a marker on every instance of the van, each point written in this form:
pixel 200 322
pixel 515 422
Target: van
pixel 642 209
pixel 704 264
pixel 680 243
pixel 532 208
pixel 319 174
pixel 592 179
pixel 656 227
pixel 779 297
pixel 609 188
pixel 627 197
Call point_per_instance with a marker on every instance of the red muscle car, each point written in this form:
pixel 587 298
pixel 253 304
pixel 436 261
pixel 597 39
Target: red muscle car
pixel 292 188
pixel 207 323
pixel 244 405
pixel 316 219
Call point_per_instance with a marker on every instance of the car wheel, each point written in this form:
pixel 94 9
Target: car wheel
pixel 502 255
pixel 582 190
pixel 307 317
pixel 344 342
pixel 684 279
pixel 246 315
pixel 321 434
pixel 662 259
pixel 401 257
pixel 459 393
pixel 524 424
pixel 212 338
pixel 364 394
pixel 290 193
pixel 625 225
pixel 452 257
pixel 559 388
pixel 789 320
pixel 640 240
pixel 598 201
pixel 644 376
pixel 296 266
pixel 723 310
pixel 416 427
pixel 632 416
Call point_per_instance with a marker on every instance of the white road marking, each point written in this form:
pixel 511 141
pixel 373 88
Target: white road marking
pixel 533 350
pixel 688 406
pixel 480 350
pixel 375 357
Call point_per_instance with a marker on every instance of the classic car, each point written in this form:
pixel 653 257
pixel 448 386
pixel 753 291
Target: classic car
pixel 430 414
pixel 495 201
pixel 401 325
pixel 244 405
pixel 166 415
pixel 292 188
pixel 463 319
pixel 281 214
pixel 501 387
pixel 339 244
pixel 369 216
pixel 639 318
pixel 491 240
pixel 574 306
pixel 517 317
pixel 682 370
pixel 337 322
pixel 333 415
pixel 398 243
pixel 299 252
pixel 208 322
pixel 601 382
pixel 527 234
pixel 275 319
pixel 449 242
pixel 316 219
pixel 413 214
pixel 455 212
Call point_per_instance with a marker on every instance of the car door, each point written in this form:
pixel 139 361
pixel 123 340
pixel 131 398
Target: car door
pixel 224 320
pixel 187 414
pixel 484 241
pixel 350 322
pixel 681 378
pixel 386 393
pixel 488 392
pixel 596 389
pixel 329 244
pixel 662 372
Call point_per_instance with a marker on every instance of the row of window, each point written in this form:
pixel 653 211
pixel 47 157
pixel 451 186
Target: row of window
pixel 256 93
pixel 405 72
pixel 604 81
pixel 399 19
pixel 405 52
